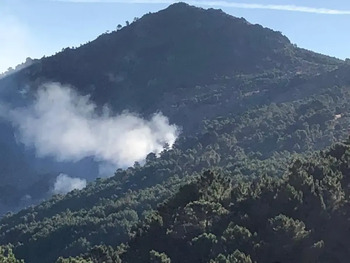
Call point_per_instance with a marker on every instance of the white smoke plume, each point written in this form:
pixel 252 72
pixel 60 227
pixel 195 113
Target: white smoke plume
pixel 65 125
pixel 65 184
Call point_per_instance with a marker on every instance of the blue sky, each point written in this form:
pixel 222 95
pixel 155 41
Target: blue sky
pixel 34 28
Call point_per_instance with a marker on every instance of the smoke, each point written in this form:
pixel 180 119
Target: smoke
pixel 65 184
pixel 65 125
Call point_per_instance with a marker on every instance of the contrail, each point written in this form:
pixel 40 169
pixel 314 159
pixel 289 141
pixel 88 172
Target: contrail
pixel 291 8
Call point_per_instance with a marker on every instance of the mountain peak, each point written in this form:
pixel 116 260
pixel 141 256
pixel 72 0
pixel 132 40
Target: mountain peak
pixel 180 46
pixel 180 5
pixel 247 101
pixel 182 8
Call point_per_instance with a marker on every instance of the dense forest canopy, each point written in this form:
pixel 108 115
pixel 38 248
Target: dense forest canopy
pixel 205 65
pixel 302 216
pixel 249 179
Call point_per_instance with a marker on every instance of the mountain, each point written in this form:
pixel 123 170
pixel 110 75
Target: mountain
pixel 248 101
pixel 301 217
pixel 189 63
pixel 159 60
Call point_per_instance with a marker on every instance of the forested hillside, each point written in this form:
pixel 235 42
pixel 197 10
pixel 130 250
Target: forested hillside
pixel 300 217
pixel 189 63
pixel 242 183
pixel 108 209
pixel 178 61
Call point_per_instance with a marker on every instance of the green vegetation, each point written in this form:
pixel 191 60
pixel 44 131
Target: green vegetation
pixel 257 143
pixel 300 217
pixel 7 256
pixel 250 104
pixel 189 63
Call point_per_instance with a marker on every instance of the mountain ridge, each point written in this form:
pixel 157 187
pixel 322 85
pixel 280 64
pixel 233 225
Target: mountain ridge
pixel 203 66
pixel 224 28
pixel 248 118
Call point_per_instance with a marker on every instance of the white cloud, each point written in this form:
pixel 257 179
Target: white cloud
pixel 65 184
pixel 292 8
pixel 65 125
